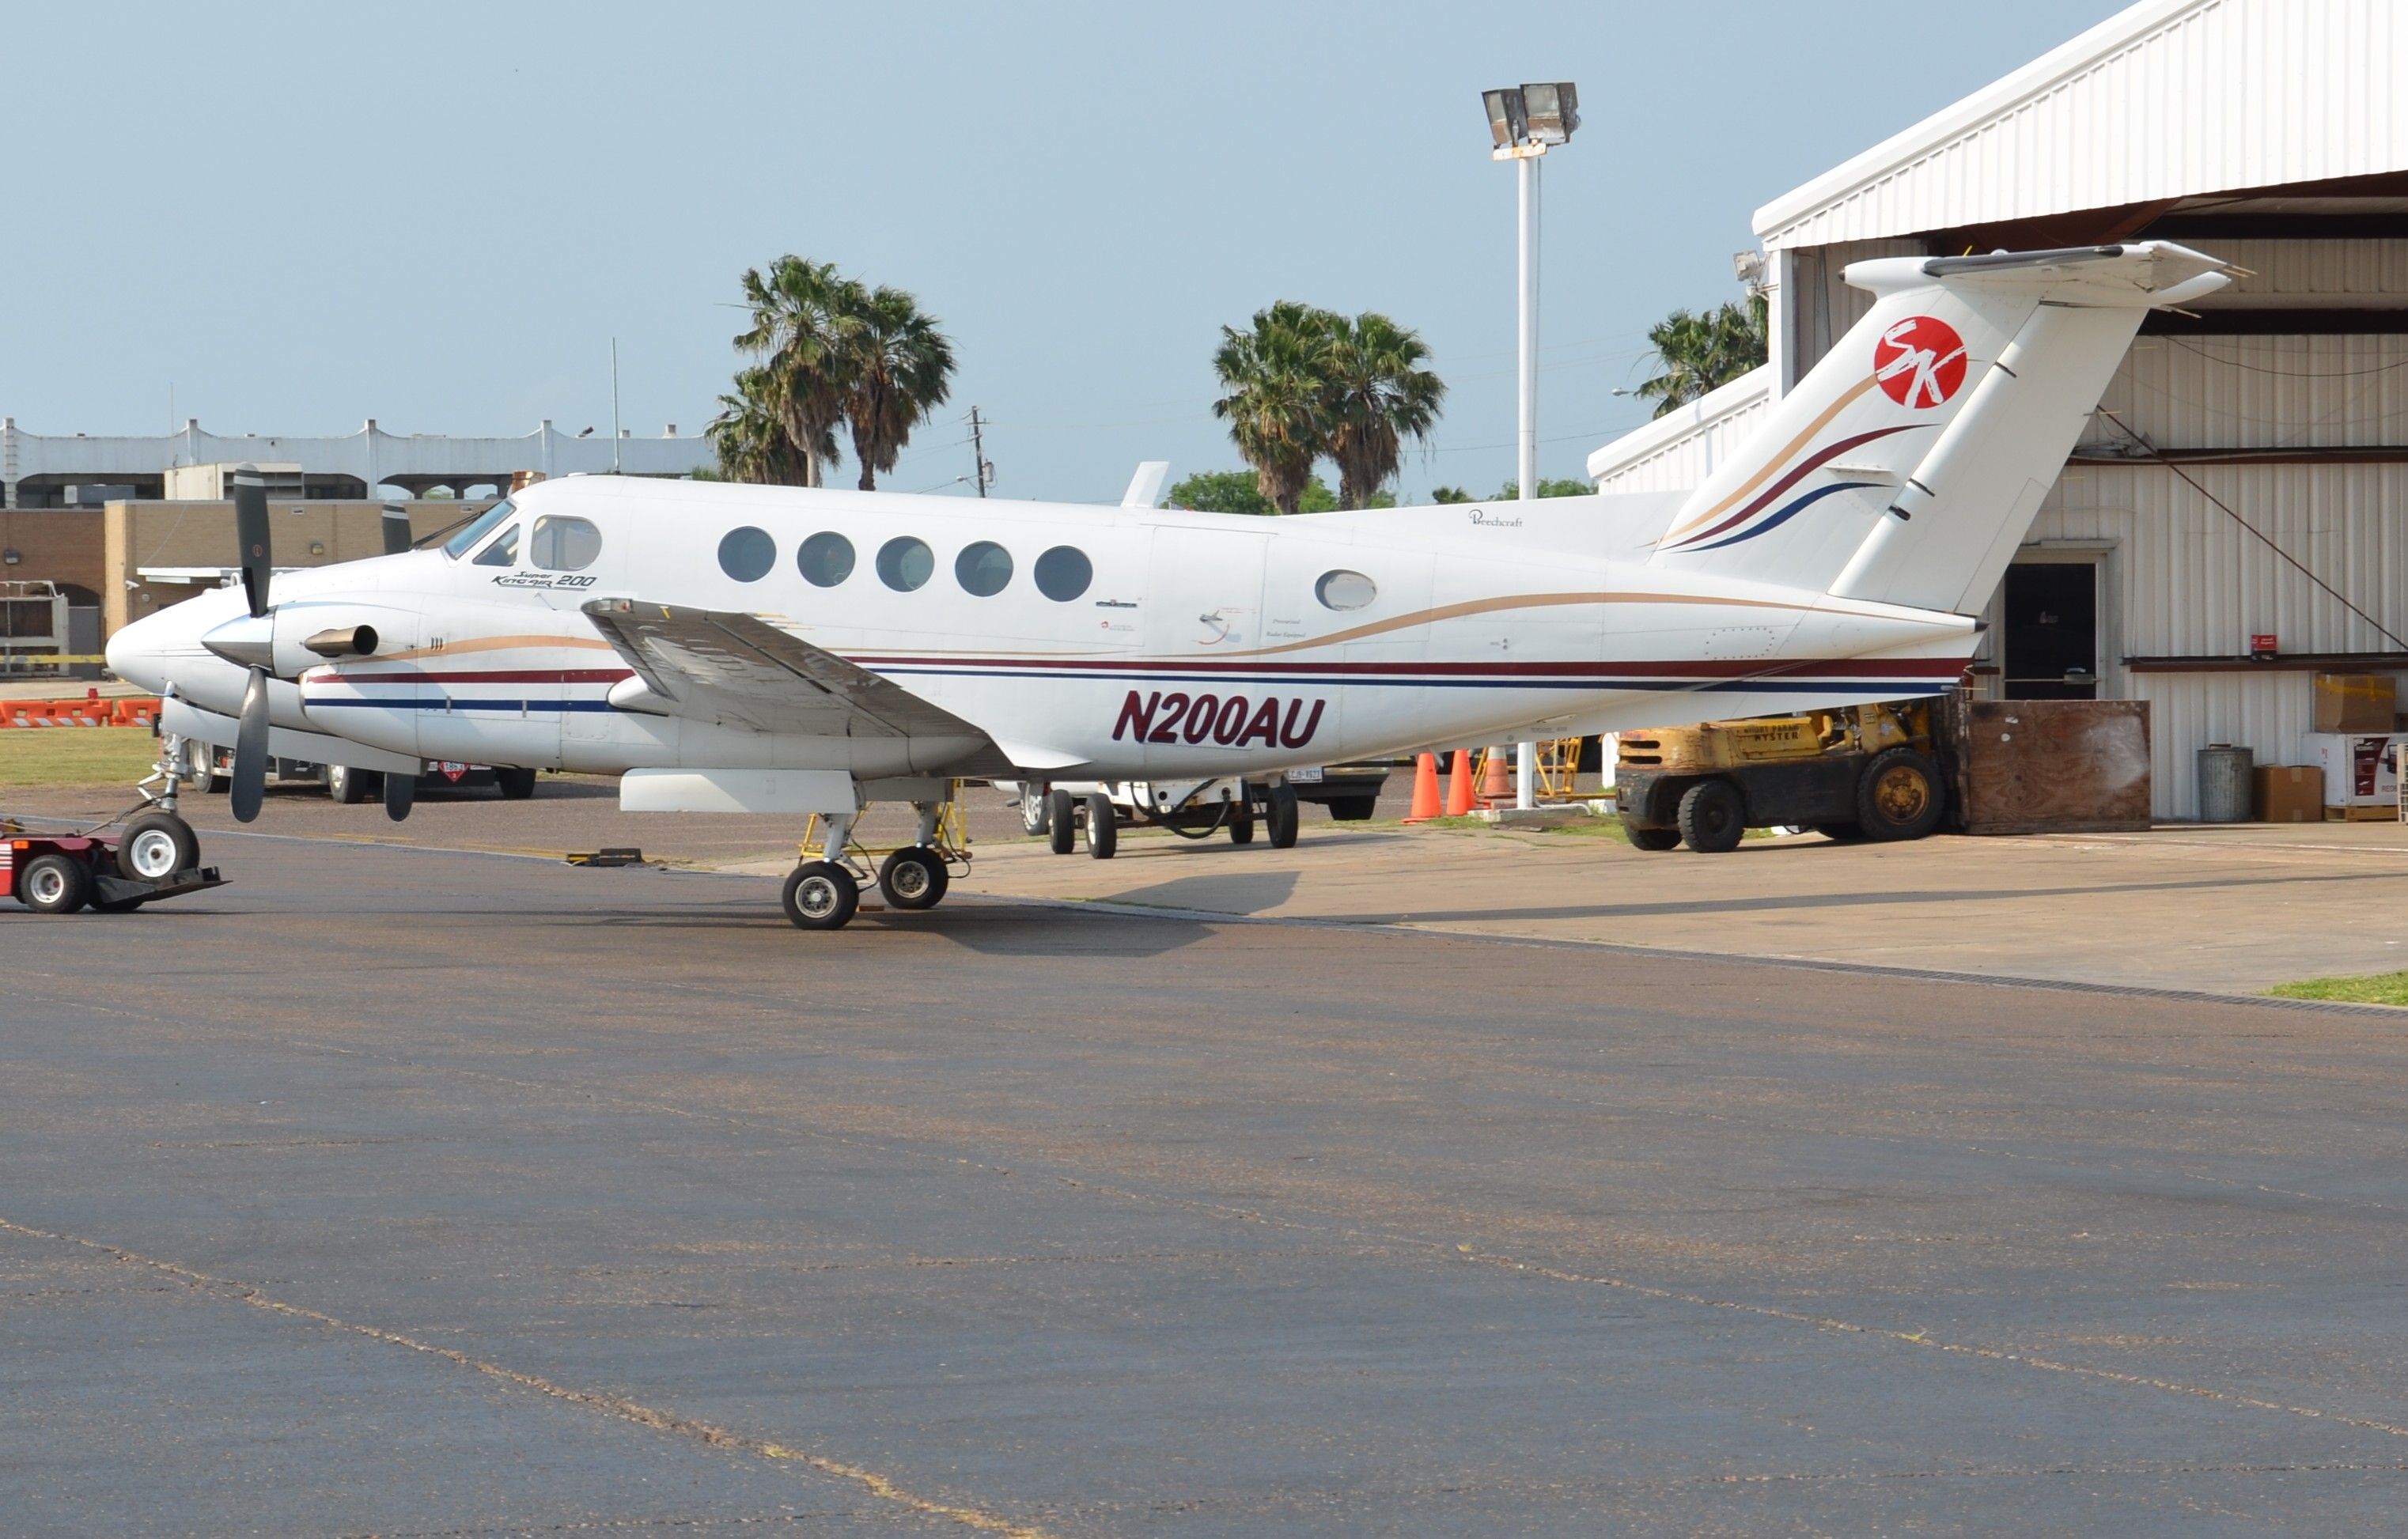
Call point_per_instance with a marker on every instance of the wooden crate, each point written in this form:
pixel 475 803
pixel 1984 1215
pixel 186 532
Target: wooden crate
pixel 2051 766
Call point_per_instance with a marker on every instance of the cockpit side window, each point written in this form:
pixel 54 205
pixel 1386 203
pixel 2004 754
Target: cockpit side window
pixel 565 545
pixel 504 551
pixel 462 543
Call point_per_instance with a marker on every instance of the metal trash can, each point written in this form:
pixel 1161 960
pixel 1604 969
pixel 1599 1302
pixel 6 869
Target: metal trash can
pixel 2224 784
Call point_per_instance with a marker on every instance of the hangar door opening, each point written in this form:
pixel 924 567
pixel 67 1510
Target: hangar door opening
pixel 2049 614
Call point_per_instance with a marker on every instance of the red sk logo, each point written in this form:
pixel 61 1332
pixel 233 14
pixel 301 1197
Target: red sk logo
pixel 1920 360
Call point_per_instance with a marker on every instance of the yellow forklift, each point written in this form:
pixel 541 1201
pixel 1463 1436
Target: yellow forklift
pixel 1861 772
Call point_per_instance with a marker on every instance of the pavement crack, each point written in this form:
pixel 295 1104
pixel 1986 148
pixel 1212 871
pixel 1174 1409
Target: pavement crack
pixel 617 1408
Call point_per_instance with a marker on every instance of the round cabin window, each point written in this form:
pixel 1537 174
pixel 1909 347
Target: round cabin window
pixel 982 568
pixel 747 554
pixel 1345 589
pixel 826 559
pixel 905 564
pixel 1063 572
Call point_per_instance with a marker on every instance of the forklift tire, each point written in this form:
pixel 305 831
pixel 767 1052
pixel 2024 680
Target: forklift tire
pixel 155 846
pixel 1061 824
pixel 1653 840
pixel 53 884
pixel 1280 811
pixel 1841 834
pixel 1103 827
pixel 1712 818
pixel 1899 796
pixel 1241 820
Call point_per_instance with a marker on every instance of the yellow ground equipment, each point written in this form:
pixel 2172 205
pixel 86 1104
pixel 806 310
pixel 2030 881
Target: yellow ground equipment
pixel 1864 772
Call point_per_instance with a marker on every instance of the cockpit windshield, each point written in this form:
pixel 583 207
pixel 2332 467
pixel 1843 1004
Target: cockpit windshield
pixel 462 543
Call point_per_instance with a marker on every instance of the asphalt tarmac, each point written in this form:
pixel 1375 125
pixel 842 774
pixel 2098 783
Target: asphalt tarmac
pixel 397 1190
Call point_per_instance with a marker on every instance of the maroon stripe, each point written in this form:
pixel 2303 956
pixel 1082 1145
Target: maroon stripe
pixel 1792 479
pixel 1740 667
pixel 506 675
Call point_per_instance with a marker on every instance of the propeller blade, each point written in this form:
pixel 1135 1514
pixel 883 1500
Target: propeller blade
pixel 400 791
pixel 397 529
pixel 251 749
pixel 250 532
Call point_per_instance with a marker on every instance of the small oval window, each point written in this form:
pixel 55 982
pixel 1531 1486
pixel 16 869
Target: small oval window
pixel 982 568
pixel 826 559
pixel 1345 589
pixel 565 545
pixel 905 564
pixel 747 554
pixel 1063 572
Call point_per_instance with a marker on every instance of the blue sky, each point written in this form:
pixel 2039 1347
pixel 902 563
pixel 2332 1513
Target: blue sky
pixel 439 215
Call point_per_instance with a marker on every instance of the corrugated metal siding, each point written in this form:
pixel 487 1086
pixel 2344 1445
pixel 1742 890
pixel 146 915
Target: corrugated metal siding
pixel 1676 452
pixel 2164 101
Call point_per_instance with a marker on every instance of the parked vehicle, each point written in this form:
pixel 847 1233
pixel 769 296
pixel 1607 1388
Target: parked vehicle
pixel 1863 772
pixel 154 856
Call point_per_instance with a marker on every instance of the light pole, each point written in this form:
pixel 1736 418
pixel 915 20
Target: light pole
pixel 1524 121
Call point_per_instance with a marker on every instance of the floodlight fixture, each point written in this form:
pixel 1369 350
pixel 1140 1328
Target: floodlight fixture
pixel 1551 110
pixel 1508 123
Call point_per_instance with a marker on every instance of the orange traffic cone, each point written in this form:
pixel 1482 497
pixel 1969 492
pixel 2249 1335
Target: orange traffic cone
pixel 1459 799
pixel 1424 790
pixel 1496 785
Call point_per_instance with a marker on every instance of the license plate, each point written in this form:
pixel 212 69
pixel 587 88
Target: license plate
pixel 1311 776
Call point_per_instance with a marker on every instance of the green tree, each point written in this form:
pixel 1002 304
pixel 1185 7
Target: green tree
pixel 1275 394
pixel 1241 491
pixel 750 439
pixel 1445 495
pixel 1561 487
pixel 1701 352
pixel 900 368
pixel 1377 395
pixel 801 321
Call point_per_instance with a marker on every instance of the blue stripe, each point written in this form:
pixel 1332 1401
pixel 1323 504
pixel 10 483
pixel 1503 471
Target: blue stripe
pixel 1788 512
pixel 456 704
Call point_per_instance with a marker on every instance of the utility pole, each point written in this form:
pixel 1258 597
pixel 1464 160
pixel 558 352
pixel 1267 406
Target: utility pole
pixel 614 408
pixel 978 453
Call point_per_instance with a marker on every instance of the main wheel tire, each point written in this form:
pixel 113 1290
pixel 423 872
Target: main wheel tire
pixel 914 877
pixel 1241 820
pixel 213 780
pixel 1653 840
pixel 1062 823
pixel 516 785
pixel 53 884
pixel 1899 796
pixel 352 787
pixel 1103 826
pixel 1353 809
pixel 1712 818
pixel 1280 810
pixel 820 895
pixel 155 846
pixel 1035 811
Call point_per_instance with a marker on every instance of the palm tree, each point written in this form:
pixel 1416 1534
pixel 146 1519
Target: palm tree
pixel 1701 352
pixel 1376 398
pixel 1275 397
pixel 800 319
pixel 901 368
pixel 750 439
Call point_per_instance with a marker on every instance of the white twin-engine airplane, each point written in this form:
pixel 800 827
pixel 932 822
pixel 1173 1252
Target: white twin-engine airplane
pixel 772 650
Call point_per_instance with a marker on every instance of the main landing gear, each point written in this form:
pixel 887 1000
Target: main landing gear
pixel 825 893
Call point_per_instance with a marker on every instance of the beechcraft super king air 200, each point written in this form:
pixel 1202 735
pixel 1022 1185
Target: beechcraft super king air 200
pixel 770 650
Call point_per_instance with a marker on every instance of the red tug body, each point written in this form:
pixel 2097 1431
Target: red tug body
pixel 154 857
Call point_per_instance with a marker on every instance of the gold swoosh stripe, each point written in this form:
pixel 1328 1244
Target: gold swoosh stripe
pixel 496 643
pixel 1766 472
pixel 1523 601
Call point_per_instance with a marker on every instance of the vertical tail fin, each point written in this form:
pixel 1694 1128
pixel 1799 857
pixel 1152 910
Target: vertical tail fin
pixel 1908 464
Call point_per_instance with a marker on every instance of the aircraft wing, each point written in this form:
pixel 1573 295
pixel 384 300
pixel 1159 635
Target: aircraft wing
pixel 739 670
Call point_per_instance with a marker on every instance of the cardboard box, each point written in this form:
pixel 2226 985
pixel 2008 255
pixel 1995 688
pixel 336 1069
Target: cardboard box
pixel 2356 703
pixel 2289 794
pixel 2361 770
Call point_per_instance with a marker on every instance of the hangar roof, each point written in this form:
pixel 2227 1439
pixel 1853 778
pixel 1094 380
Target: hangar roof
pixel 2155 106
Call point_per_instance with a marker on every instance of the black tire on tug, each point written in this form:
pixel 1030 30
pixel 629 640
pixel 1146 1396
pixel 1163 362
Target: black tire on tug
pixel 53 884
pixel 1241 819
pixel 820 895
pixel 1653 840
pixel 1899 796
pixel 1714 819
pixel 1103 828
pixel 516 785
pixel 1036 809
pixel 914 877
pixel 1062 823
pixel 1280 810
pixel 155 846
